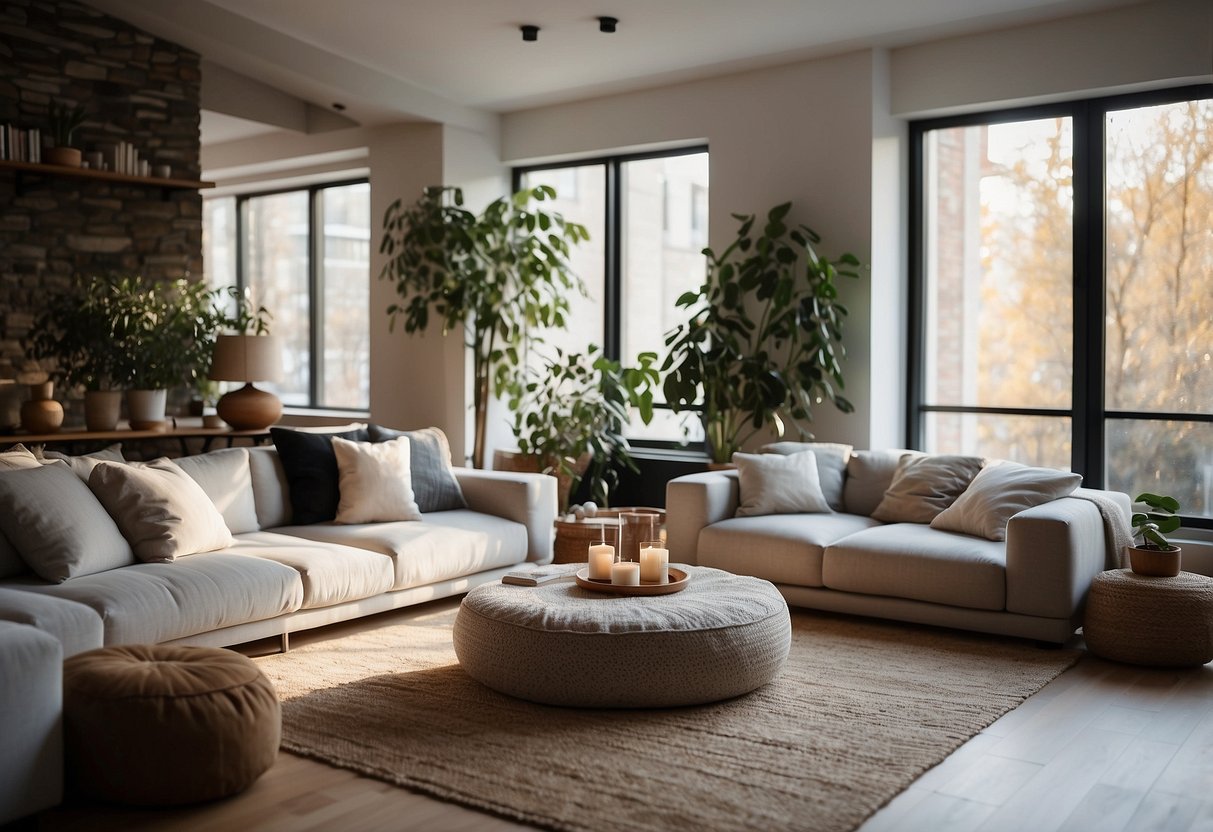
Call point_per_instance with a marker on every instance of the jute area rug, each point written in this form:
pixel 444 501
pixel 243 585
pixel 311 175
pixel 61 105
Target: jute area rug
pixel 861 710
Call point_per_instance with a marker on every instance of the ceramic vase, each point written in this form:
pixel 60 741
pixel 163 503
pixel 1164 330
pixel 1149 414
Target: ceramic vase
pixel 101 409
pixel 41 414
pixel 146 408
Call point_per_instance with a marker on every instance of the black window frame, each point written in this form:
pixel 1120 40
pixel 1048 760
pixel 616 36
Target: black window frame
pixel 314 278
pixel 612 290
pixel 1087 413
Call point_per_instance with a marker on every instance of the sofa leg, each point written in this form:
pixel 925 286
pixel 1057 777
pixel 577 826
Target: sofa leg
pixel 286 642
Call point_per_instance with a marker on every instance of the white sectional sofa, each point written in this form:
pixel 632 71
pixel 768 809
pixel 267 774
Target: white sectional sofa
pixel 1033 584
pixel 274 579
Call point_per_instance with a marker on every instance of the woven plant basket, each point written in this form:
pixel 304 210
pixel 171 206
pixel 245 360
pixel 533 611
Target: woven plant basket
pixel 573 539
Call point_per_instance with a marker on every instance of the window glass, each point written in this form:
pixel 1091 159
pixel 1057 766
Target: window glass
pixel 1031 440
pixel 345 263
pixel 1164 457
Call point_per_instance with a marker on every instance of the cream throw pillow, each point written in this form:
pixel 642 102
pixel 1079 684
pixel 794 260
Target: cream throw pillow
pixel 159 508
pixel 923 486
pixel 18 458
pixel 998 493
pixel 832 460
pixel 779 484
pixel 375 482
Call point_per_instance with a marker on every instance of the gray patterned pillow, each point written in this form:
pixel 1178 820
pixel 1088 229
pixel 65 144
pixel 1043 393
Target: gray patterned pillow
pixel 434 485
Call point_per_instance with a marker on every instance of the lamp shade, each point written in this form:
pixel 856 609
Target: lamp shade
pixel 246 358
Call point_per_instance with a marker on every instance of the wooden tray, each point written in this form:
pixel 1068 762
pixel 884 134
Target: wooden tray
pixel 678 582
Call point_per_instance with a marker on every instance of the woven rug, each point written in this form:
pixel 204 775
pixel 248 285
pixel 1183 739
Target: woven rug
pixel 861 710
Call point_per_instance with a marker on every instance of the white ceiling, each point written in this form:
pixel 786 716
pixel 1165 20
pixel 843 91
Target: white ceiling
pixel 452 60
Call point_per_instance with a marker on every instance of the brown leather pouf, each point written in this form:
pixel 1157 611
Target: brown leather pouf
pixel 1163 622
pixel 155 725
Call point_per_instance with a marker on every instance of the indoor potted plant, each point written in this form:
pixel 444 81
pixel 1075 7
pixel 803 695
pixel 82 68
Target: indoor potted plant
pixel 1156 555
pixel 570 418
pixel 63 123
pixel 500 276
pixel 764 341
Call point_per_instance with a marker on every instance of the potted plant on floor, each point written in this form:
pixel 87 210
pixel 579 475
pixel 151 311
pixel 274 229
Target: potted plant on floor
pixel 570 418
pixel 500 276
pixel 763 345
pixel 1156 555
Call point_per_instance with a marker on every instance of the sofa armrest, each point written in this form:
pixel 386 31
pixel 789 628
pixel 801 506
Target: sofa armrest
pixel 529 499
pixel 77 626
pixel 31 721
pixel 1053 552
pixel 692 502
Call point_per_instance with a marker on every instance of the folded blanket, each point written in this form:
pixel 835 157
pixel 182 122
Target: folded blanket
pixel 1118 533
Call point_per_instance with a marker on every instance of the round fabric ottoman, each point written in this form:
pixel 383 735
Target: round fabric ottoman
pixel 722 636
pixel 1165 622
pixel 155 725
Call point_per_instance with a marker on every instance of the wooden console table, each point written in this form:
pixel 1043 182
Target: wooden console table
pixel 183 430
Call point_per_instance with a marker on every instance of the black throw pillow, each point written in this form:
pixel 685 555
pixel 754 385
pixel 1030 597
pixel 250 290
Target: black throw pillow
pixel 434 485
pixel 311 471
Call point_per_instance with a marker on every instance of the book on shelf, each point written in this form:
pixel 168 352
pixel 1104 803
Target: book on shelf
pixel 536 577
pixel 17 145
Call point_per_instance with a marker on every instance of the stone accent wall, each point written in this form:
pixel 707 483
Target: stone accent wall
pixel 135 88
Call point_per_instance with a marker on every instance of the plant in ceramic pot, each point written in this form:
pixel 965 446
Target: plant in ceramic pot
pixel 763 344
pixel 64 122
pixel 571 417
pixel 498 276
pixel 1156 555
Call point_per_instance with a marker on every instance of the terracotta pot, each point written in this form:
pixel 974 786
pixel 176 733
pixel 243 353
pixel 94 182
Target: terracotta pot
pixel 42 414
pixel 1158 563
pixel 68 157
pixel 102 409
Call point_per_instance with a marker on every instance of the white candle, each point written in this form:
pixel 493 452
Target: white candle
pixel 602 555
pixel 654 565
pixel 625 573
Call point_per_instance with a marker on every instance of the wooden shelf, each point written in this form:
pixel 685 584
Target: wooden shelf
pixel 43 169
pixel 179 429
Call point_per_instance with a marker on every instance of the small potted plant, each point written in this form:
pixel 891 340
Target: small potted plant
pixel 64 122
pixel 1156 555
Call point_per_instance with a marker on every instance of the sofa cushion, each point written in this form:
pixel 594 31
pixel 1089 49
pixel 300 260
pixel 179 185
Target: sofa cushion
pixel 77 626
pixel 869 475
pixel 909 560
pixel 446 544
pixel 311 471
pixel 153 602
pixel 832 459
pixel 225 477
pixel 159 509
pixel 270 488
pixel 783 549
pixel 1001 491
pixel 56 525
pixel 778 484
pixel 331 573
pixel 923 486
pixel 375 481
pixel 434 485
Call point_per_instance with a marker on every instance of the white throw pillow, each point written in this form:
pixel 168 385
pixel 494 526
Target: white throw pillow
pixel 999 492
pixel 779 484
pixel 375 481
pixel 832 460
pixel 226 478
pixel 923 486
pixel 18 458
pixel 160 510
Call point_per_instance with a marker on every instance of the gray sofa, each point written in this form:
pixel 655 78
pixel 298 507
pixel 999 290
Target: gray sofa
pixel 276 578
pixel 1031 585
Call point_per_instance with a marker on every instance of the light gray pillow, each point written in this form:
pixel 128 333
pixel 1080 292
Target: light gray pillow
pixel 779 484
pixel 434 485
pixel 923 486
pixel 225 477
pixel 869 475
pixel 159 509
pixel 832 459
pixel 83 465
pixel 999 492
pixel 57 526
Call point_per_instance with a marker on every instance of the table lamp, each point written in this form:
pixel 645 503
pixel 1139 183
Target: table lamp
pixel 247 358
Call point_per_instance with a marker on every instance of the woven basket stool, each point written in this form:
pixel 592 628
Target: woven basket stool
pixel 156 725
pixel 1164 622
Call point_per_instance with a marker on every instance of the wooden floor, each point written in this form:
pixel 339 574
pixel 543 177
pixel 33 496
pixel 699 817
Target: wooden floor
pixel 1103 747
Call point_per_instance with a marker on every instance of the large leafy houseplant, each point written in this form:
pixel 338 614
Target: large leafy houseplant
pixel 500 275
pixel 577 408
pixel 763 344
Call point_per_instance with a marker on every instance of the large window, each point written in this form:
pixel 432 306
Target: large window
pixel 1064 290
pixel 304 255
pixel 647 217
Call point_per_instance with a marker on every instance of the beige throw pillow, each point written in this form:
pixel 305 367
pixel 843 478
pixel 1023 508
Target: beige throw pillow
pixel 924 486
pixel 779 484
pixel 375 482
pixel 160 510
pixel 998 493
pixel 18 458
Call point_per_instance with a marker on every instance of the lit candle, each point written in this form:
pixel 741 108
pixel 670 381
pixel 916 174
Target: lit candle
pixel 602 555
pixel 654 565
pixel 625 573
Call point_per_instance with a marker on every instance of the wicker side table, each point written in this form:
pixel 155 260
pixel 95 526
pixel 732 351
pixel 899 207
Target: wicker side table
pixel 1164 622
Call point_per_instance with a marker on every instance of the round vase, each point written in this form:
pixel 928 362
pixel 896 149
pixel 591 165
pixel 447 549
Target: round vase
pixel 41 414
pixel 101 409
